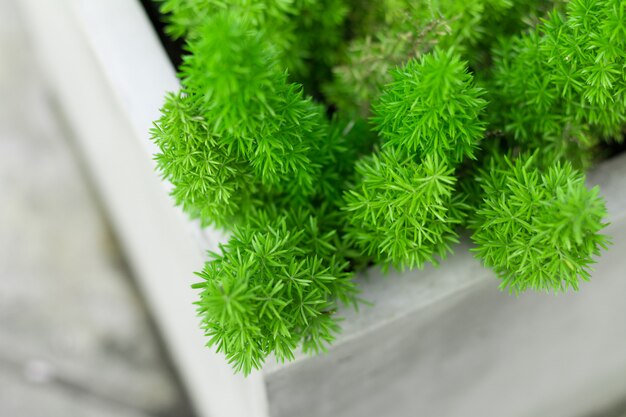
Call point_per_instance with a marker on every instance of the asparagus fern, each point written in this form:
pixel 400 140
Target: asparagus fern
pixel 428 117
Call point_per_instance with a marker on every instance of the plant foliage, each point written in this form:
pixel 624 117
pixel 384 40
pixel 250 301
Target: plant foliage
pixel 563 82
pixel 404 209
pixel 273 286
pixel 538 230
pixel 330 135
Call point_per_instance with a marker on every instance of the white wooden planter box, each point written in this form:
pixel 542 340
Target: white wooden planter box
pixel 437 343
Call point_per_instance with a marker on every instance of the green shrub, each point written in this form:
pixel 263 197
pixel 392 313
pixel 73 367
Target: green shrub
pixel 535 228
pixel 404 208
pixel 563 83
pixel 428 117
pixel 274 285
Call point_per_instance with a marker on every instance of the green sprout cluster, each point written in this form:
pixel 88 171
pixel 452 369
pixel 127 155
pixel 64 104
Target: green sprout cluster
pixel 246 150
pixel 306 34
pixel 538 229
pixel 327 136
pixel 563 82
pixel 390 32
pixel 404 208
pixel 272 287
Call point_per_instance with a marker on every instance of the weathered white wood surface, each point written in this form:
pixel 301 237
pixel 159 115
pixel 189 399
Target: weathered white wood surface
pixel 439 342
pixel 75 339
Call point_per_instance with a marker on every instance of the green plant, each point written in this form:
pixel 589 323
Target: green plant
pixel 274 285
pixel 427 118
pixel 404 208
pixel 245 150
pixel 563 83
pixel 304 33
pixel 390 32
pixel 537 229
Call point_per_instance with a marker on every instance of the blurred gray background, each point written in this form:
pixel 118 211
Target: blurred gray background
pixel 75 337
